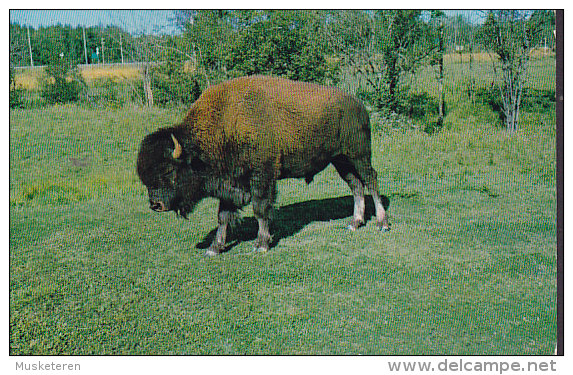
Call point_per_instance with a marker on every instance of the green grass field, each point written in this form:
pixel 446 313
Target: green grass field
pixel 469 266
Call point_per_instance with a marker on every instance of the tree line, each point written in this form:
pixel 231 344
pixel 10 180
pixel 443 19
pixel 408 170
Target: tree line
pixel 217 32
pixel 378 47
pixel 39 47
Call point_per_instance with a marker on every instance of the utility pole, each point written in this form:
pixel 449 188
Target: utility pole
pixel 85 47
pixel 441 46
pixel 102 49
pixel 121 47
pixel 30 48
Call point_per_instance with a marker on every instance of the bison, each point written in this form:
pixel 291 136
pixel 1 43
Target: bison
pixel 243 135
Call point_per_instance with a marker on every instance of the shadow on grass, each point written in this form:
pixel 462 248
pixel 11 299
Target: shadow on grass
pixel 290 219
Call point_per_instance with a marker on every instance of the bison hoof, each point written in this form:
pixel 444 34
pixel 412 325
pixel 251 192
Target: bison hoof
pixel 262 243
pixel 213 250
pixel 260 249
pixel 211 253
pixel 355 224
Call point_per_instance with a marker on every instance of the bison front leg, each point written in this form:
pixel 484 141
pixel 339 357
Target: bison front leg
pixel 227 213
pixel 262 210
pixel 263 198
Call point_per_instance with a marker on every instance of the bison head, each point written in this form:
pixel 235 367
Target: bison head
pixel 173 175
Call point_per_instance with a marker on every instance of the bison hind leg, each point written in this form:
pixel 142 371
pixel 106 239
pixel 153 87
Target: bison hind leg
pixel 348 173
pixel 359 173
pixel 381 202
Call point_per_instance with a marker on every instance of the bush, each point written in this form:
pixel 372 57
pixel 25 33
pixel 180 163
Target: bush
pixel 17 98
pixel 61 91
pixel 422 108
pixel 172 85
pixel 63 83
pixel 16 94
pixel 105 94
pixel 413 110
pixel 492 98
pixel 534 100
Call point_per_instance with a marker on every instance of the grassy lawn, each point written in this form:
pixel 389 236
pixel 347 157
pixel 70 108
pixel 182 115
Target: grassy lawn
pixel 469 266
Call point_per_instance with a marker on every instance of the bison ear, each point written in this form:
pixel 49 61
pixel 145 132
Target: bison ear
pixel 177 150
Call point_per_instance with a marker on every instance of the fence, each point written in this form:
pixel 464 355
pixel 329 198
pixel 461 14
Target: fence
pixel 83 66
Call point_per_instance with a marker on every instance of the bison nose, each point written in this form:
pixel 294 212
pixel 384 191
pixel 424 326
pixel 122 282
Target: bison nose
pixel 157 206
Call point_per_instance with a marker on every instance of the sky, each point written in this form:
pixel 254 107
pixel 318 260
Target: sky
pixel 133 21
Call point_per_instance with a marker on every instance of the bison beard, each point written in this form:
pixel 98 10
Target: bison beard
pixel 243 135
pixel 183 209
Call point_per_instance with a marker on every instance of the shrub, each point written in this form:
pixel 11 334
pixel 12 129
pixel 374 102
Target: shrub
pixel 174 86
pixel 61 91
pixel 534 100
pixel 422 108
pixel 413 110
pixel 105 94
pixel 492 98
pixel 63 83
pixel 16 94
pixel 17 98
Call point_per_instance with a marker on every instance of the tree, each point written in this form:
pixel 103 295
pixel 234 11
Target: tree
pixel 350 37
pixel 244 42
pixel 406 43
pixel 63 82
pixel 143 51
pixel 510 34
pixel 172 83
pixel 460 32
pixel 19 52
pixel 209 32
pixel 383 48
pixel 545 20
pixel 282 43
pixel 437 22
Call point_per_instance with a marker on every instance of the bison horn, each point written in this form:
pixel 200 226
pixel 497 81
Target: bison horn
pixel 178 149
